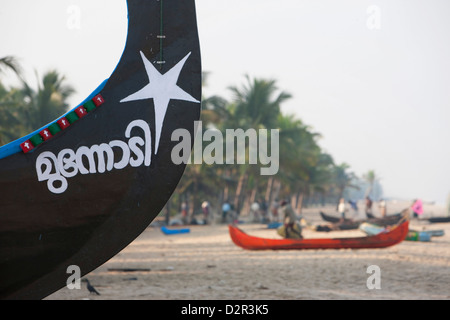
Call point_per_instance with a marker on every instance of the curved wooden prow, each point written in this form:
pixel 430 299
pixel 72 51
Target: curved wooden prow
pixel 80 197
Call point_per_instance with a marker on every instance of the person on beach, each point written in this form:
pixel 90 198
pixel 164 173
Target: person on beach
pixel 291 229
pixel 368 208
pixel 382 206
pixel 205 209
pixel 254 209
pixel 354 206
pixel 184 212
pixel 342 208
pixel 417 208
pixel 263 209
pixel 274 210
pixel 225 209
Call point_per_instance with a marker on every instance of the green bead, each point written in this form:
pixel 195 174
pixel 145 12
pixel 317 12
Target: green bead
pixel 36 140
pixel 89 106
pixel 72 117
pixel 54 128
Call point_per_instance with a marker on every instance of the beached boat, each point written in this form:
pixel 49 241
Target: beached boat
pixel 413 235
pixel 173 231
pixel 439 220
pixel 79 190
pixel 381 240
pixel 346 224
pixel 349 224
pixel 435 233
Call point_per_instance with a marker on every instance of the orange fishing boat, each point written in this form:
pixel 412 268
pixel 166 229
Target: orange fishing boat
pixel 382 240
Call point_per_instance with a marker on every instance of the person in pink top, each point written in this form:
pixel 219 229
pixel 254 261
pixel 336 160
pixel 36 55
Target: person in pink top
pixel 417 208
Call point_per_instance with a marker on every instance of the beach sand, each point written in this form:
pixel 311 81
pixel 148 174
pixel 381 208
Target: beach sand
pixel 206 265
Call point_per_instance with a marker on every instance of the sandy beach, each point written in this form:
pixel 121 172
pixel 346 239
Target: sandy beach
pixel 206 265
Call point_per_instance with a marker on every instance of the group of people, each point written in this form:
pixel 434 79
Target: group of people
pixel 282 211
pixel 206 208
pixel 416 207
pixel 342 207
pixel 261 212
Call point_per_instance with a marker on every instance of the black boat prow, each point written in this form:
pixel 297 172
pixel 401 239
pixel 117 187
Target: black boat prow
pixel 80 197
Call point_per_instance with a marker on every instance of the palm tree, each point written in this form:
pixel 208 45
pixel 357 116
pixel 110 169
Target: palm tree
pixel 213 108
pixel 48 102
pixel 25 110
pixel 370 177
pixel 199 180
pixel 306 172
pixel 8 102
pixel 344 179
pixel 11 63
pixel 11 103
pixel 255 105
pixel 304 168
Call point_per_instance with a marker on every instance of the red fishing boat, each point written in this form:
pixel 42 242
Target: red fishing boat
pixel 395 235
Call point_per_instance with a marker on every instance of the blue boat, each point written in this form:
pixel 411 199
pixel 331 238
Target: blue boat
pixel 168 231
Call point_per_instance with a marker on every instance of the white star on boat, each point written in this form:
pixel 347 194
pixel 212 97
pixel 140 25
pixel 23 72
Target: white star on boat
pixel 161 88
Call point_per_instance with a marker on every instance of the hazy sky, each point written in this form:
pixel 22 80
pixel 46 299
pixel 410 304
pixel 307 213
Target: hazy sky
pixel 373 77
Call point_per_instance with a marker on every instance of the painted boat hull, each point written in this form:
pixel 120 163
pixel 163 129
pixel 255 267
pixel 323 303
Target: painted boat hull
pixel 43 233
pixel 382 240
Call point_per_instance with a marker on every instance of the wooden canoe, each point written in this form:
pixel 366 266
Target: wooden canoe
pixel 349 224
pixel 439 220
pixel 381 240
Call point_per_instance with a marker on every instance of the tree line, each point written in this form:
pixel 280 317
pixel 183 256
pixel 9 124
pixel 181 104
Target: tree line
pixel 307 174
